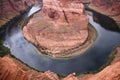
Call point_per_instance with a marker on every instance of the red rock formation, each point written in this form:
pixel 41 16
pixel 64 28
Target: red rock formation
pixel 111 72
pixel 85 1
pixel 11 69
pixel 60 26
pixel 71 77
pixel 110 7
pixel 107 7
pixel 76 1
pixel 11 8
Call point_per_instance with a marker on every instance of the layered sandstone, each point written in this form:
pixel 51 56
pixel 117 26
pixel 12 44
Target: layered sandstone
pixel 77 1
pixel 11 8
pixel 107 7
pixel 12 69
pixel 60 26
pixel 111 72
pixel 85 1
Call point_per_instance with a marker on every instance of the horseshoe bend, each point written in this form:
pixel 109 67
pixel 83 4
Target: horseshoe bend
pixel 59 29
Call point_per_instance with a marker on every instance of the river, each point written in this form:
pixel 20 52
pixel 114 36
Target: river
pixel 95 57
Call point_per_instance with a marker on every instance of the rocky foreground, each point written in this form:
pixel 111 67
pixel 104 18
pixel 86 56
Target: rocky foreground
pixel 12 69
pixel 60 26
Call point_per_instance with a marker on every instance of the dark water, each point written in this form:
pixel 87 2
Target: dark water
pixel 91 60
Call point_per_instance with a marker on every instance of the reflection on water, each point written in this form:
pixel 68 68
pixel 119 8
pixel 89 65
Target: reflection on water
pixel 91 60
pixel 105 21
pixel 33 10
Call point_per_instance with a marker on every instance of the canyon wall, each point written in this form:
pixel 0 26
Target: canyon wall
pixel 11 8
pixel 110 8
pixel 12 69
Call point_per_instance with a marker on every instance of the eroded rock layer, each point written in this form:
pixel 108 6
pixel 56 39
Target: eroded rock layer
pixel 11 8
pixel 108 7
pixel 60 26
pixel 12 69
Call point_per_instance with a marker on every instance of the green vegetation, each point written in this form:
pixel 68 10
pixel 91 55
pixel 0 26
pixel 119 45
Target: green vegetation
pixel 3 50
pixel 92 31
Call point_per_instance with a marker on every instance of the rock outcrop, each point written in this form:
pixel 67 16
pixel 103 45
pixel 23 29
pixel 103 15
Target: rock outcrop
pixel 107 7
pixel 12 69
pixel 11 8
pixel 61 18
pixel 85 1
pixel 60 26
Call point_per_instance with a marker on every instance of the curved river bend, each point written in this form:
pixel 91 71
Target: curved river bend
pixel 91 60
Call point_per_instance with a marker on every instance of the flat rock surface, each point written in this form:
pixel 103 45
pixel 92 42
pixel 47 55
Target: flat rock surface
pixel 58 26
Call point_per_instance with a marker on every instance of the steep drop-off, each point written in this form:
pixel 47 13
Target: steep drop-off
pixel 110 8
pixel 11 8
pixel 12 69
pixel 58 27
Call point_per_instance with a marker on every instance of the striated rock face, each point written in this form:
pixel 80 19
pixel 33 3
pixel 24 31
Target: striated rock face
pixel 12 8
pixel 111 6
pixel 11 69
pixel 60 26
pixel 85 1
pixel 107 7
pixel 111 72
pixel 77 1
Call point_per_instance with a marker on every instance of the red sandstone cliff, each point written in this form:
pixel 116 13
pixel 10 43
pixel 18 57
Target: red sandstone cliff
pixel 11 69
pixel 107 7
pixel 11 8
pixel 60 26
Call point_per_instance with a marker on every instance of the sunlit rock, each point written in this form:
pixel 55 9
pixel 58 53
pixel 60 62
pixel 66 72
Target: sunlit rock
pixel 11 69
pixel 60 26
pixel 11 8
pixel 107 7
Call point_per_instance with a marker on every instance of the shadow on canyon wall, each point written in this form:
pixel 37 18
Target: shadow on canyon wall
pixel 105 21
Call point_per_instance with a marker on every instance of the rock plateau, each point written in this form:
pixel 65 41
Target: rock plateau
pixel 60 26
